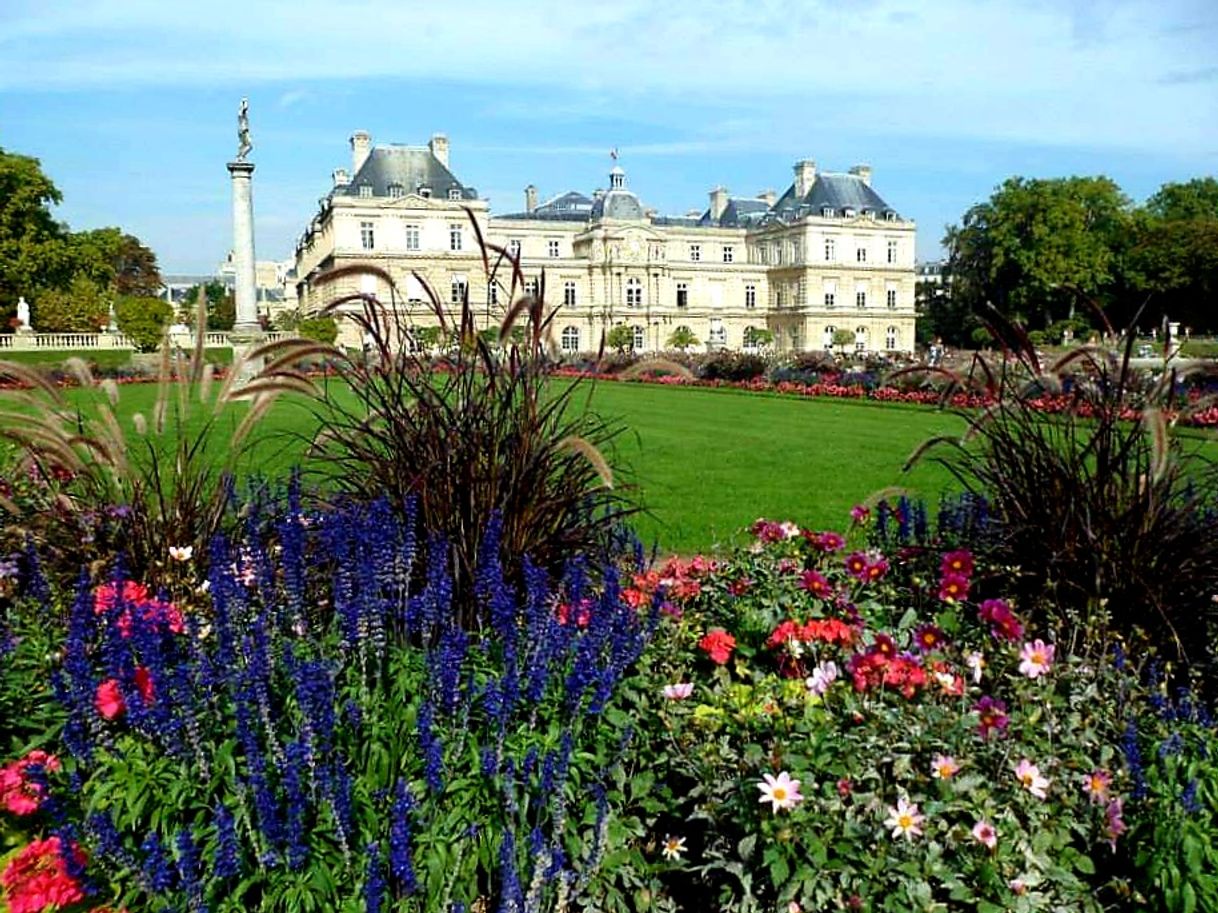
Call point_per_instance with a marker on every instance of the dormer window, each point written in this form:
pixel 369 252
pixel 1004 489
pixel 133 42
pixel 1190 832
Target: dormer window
pixel 889 215
pixel 454 193
pixel 827 212
pixel 868 214
pixel 396 191
pixel 365 190
pixel 425 191
pixel 848 212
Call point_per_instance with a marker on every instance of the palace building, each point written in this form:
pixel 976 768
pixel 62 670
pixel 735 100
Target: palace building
pixel 788 272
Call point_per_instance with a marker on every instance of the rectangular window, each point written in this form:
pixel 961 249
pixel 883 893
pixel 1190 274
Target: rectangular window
pixel 458 288
pixel 860 299
pixel 778 296
pixel 454 237
pixel 638 339
pixel 365 190
pixel 553 248
pixel 829 296
pixel 412 237
pixel 695 252
pixel 892 251
pixel 892 297
pixel 367 240
pixel 682 294
pixel 513 247
pixel 492 293
pixel 860 255
pixel 454 193
pixel 729 255
pixel 830 250
pixel 750 296
pixel 530 287
pixel 568 293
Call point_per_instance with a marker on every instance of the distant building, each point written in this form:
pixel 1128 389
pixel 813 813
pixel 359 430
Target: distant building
pixel 828 254
pixel 274 281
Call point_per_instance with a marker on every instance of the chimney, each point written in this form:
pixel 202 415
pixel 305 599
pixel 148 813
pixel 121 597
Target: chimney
pixel 805 175
pixel 863 172
pixel 598 194
pixel 361 148
pixel 718 203
pixel 769 197
pixel 530 198
pixel 341 178
pixel 439 148
pixel 693 214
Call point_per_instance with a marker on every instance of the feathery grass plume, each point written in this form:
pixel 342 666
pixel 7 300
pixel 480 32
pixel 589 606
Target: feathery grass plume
pixel 1107 518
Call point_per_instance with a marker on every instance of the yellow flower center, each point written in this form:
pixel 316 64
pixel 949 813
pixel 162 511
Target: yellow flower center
pixel 780 794
pixel 905 822
pixel 1025 779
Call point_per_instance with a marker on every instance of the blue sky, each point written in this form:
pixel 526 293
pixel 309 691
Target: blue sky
pixel 131 104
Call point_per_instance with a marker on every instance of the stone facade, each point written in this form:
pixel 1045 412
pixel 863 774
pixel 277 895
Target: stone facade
pixel 828 255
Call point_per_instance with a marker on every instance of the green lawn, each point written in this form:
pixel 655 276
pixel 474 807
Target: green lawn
pixel 104 358
pixel 705 462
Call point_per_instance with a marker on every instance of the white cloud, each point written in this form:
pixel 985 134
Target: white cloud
pixel 1085 72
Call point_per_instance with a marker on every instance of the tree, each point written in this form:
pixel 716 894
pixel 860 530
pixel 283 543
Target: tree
pixel 620 338
pixel 682 338
pixel 757 337
pixel 34 250
pixel 843 339
pixel 1038 249
pixel 82 308
pixel 1195 199
pixel 319 329
pixel 143 320
pixel 221 306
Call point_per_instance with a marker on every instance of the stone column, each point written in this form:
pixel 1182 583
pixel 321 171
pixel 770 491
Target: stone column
pixel 243 247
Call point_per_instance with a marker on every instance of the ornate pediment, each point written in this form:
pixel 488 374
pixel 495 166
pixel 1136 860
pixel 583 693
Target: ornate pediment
pixel 634 244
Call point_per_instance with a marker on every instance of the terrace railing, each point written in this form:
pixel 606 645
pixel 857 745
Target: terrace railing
pixel 67 342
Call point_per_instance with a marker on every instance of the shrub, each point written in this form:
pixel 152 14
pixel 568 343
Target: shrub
pixel 733 366
pixel 143 320
pixel 843 339
pixel 478 433
pixel 318 329
pixel 1104 514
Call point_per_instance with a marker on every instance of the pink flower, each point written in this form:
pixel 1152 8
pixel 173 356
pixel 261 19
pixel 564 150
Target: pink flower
pixel 1003 623
pixel 824 675
pixel 816 584
pixel 984 832
pixel 718 645
pixel 109 699
pixel 905 820
pixel 1115 822
pixel 953 588
pixel 679 692
pixel 1028 775
pixel 781 791
pixel 957 562
pixel 828 542
pixel 860 514
pixel 1036 658
pixel 856 565
pixel 876 568
pixel 20 794
pixel 1096 785
pixel 944 767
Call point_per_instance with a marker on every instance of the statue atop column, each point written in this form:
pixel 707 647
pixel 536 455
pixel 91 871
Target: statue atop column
pixel 243 130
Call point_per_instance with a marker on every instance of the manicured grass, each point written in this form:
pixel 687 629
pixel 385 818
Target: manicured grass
pixel 704 463
pixel 104 358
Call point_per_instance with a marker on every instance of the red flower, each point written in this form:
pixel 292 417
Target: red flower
pixel 992 716
pixel 787 631
pixel 739 587
pixel 825 542
pixel 583 615
pixel 109 700
pixel 816 584
pixel 953 587
pixel 957 562
pixel 19 794
pixel 37 878
pixel 1003 623
pixel 876 569
pixel 828 630
pixel 143 684
pixel 718 645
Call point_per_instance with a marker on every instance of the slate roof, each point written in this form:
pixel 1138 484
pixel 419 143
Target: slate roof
pixel 738 212
pixel 618 204
pixel 571 206
pixel 835 191
pixel 411 167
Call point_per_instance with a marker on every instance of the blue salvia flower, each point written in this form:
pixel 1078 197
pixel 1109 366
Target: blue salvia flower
pixel 353 714
pixel 374 880
pixel 69 841
pixel 882 514
pixel 490 763
pixel 511 895
pixel 1133 760
pixel 189 869
pixel 1118 657
pixel 904 512
pixel 921 532
pixel 537 842
pixel 158 870
pixel 227 860
pixel 294 773
pixel 109 841
pixel 291 556
pixel 401 863
pixel 1189 800
pixel 1172 745
pixel 34 581
pixel 338 789
pixel 446 661
pixel 433 753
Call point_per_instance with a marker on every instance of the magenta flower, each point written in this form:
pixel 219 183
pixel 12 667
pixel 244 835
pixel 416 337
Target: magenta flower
pixel 992 715
pixel 957 562
pixel 984 833
pixel 953 588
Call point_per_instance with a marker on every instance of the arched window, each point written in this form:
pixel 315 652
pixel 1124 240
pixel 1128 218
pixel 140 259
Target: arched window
pixel 860 339
pixel 634 292
pixel 570 339
pixel 890 339
pixel 639 339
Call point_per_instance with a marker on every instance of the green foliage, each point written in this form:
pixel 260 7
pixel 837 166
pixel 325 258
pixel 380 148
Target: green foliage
pixel 732 366
pixel 83 307
pixel 34 250
pixel 620 338
pixel 143 320
pixel 1195 199
pixel 843 339
pixel 318 329
pixel 1039 249
pixel 221 306
pixel 682 338
pixel 758 337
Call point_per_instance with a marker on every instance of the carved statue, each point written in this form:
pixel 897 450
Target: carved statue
pixel 23 312
pixel 243 130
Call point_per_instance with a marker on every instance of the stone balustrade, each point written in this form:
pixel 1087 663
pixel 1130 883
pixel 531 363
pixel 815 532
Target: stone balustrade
pixel 69 342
